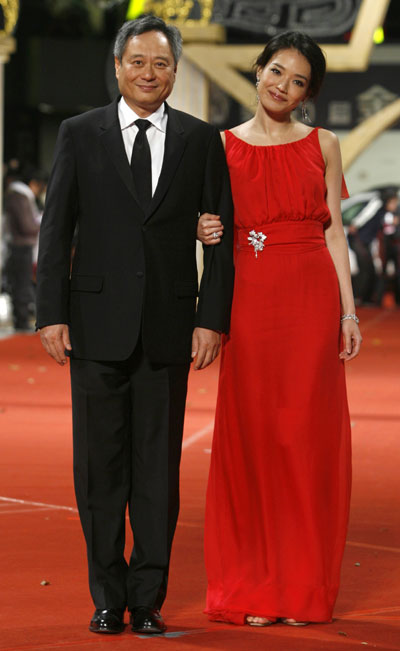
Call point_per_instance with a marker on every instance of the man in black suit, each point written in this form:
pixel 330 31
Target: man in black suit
pixel 132 178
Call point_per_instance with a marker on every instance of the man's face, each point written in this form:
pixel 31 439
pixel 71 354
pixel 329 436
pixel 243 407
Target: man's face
pixel 37 187
pixel 146 74
pixel 392 204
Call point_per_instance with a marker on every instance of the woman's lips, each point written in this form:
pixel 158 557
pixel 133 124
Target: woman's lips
pixel 277 97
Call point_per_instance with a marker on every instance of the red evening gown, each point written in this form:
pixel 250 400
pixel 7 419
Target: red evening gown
pixel 279 487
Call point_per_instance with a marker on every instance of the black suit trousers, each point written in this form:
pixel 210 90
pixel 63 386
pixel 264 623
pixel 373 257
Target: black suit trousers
pixel 127 428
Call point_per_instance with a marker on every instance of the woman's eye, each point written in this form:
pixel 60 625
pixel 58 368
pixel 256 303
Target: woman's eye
pixel 299 83
pixel 275 71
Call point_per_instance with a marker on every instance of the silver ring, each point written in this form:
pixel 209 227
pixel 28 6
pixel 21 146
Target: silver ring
pixel 215 236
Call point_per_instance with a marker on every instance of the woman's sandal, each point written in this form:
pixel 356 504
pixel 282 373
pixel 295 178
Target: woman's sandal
pixel 263 621
pixel 293 622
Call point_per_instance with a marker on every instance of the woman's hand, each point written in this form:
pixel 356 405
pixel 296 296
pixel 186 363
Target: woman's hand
pixel 209 229
pixel 352 340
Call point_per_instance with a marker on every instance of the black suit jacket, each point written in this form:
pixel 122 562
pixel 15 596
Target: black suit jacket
pixel 131 269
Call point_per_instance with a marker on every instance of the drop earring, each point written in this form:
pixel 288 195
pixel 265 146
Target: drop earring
pixel 304 113
pixel 257 85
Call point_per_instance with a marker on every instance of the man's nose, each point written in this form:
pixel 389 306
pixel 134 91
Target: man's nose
pixel 148 71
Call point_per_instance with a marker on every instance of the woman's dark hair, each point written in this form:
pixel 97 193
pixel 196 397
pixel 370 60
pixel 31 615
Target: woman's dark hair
pixel 388 194
pixel 303 44
pixel 148 23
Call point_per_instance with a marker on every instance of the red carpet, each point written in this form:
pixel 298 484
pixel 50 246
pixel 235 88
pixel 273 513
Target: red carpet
pixel 41 538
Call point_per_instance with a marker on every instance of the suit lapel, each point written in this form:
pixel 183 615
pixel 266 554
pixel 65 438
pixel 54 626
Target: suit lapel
pixel 111 137
pixel 175 143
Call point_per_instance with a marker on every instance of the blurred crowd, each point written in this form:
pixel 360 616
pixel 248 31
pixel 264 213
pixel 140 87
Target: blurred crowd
pixel 374 241
pixel 373 233
pixel 24 192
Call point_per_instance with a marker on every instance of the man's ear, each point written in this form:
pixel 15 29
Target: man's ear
pixel 117 64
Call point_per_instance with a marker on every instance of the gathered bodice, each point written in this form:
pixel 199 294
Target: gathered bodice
pixel 275 183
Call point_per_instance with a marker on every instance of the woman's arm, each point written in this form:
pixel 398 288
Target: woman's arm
pixel 210 228
pixel 336 241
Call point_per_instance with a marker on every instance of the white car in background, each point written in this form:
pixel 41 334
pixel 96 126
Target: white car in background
pixel 360 208
pixel 357 211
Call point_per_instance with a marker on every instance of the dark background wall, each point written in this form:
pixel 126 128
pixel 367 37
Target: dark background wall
pixel 63 66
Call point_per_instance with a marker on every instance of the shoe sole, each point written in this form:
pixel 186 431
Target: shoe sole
pixel 147 632
pixel 295 623
pixel 104 631
pixel 260 625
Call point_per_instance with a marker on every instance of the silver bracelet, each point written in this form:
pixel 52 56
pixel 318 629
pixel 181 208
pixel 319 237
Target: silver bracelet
pixel 354 317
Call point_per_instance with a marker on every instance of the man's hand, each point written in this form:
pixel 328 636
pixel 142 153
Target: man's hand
pixel 55 339
pixel 205 347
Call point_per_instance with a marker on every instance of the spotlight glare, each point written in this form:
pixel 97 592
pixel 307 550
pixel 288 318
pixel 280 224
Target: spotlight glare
pixel 379 35
pixel 135 9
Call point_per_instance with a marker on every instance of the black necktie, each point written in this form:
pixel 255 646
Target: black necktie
pixel 141 164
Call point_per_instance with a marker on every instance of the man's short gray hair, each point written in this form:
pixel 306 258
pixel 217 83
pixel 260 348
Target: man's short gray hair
pixel 144 24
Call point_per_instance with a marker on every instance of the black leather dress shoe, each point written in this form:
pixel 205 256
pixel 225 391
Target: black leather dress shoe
pixel 147 620
pixel 109 620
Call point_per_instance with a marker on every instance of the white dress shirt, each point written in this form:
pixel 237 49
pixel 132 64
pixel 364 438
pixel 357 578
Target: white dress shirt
pixel 155 135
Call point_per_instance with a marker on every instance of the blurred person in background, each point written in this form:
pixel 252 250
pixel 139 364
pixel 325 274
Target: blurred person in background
pixel 361 237
pixel 11 172
pixel 22 220
pixel 390 243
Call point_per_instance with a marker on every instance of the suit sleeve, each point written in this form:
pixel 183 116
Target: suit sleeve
pixel 216 288
pixel 56 232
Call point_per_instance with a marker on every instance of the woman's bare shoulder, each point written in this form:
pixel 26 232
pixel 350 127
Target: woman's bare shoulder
pixel 241 130
pixel 329 143
pixel 328 139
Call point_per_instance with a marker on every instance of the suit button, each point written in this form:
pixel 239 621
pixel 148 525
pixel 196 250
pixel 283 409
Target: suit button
pixel 144 229
pixel 140 274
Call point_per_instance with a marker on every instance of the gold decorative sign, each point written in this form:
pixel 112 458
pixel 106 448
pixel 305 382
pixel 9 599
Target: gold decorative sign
pixel 178 11
pixel 10 10
pixel 366 132
pixel 223 64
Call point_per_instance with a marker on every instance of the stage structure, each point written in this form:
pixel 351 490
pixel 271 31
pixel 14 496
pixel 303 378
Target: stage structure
pixel 223 37
pixel 207 58
pixel 8 19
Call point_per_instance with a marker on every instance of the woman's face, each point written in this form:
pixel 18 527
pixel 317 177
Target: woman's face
pixel 284 81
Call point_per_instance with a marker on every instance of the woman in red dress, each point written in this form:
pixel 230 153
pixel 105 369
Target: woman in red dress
pixel 279 486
